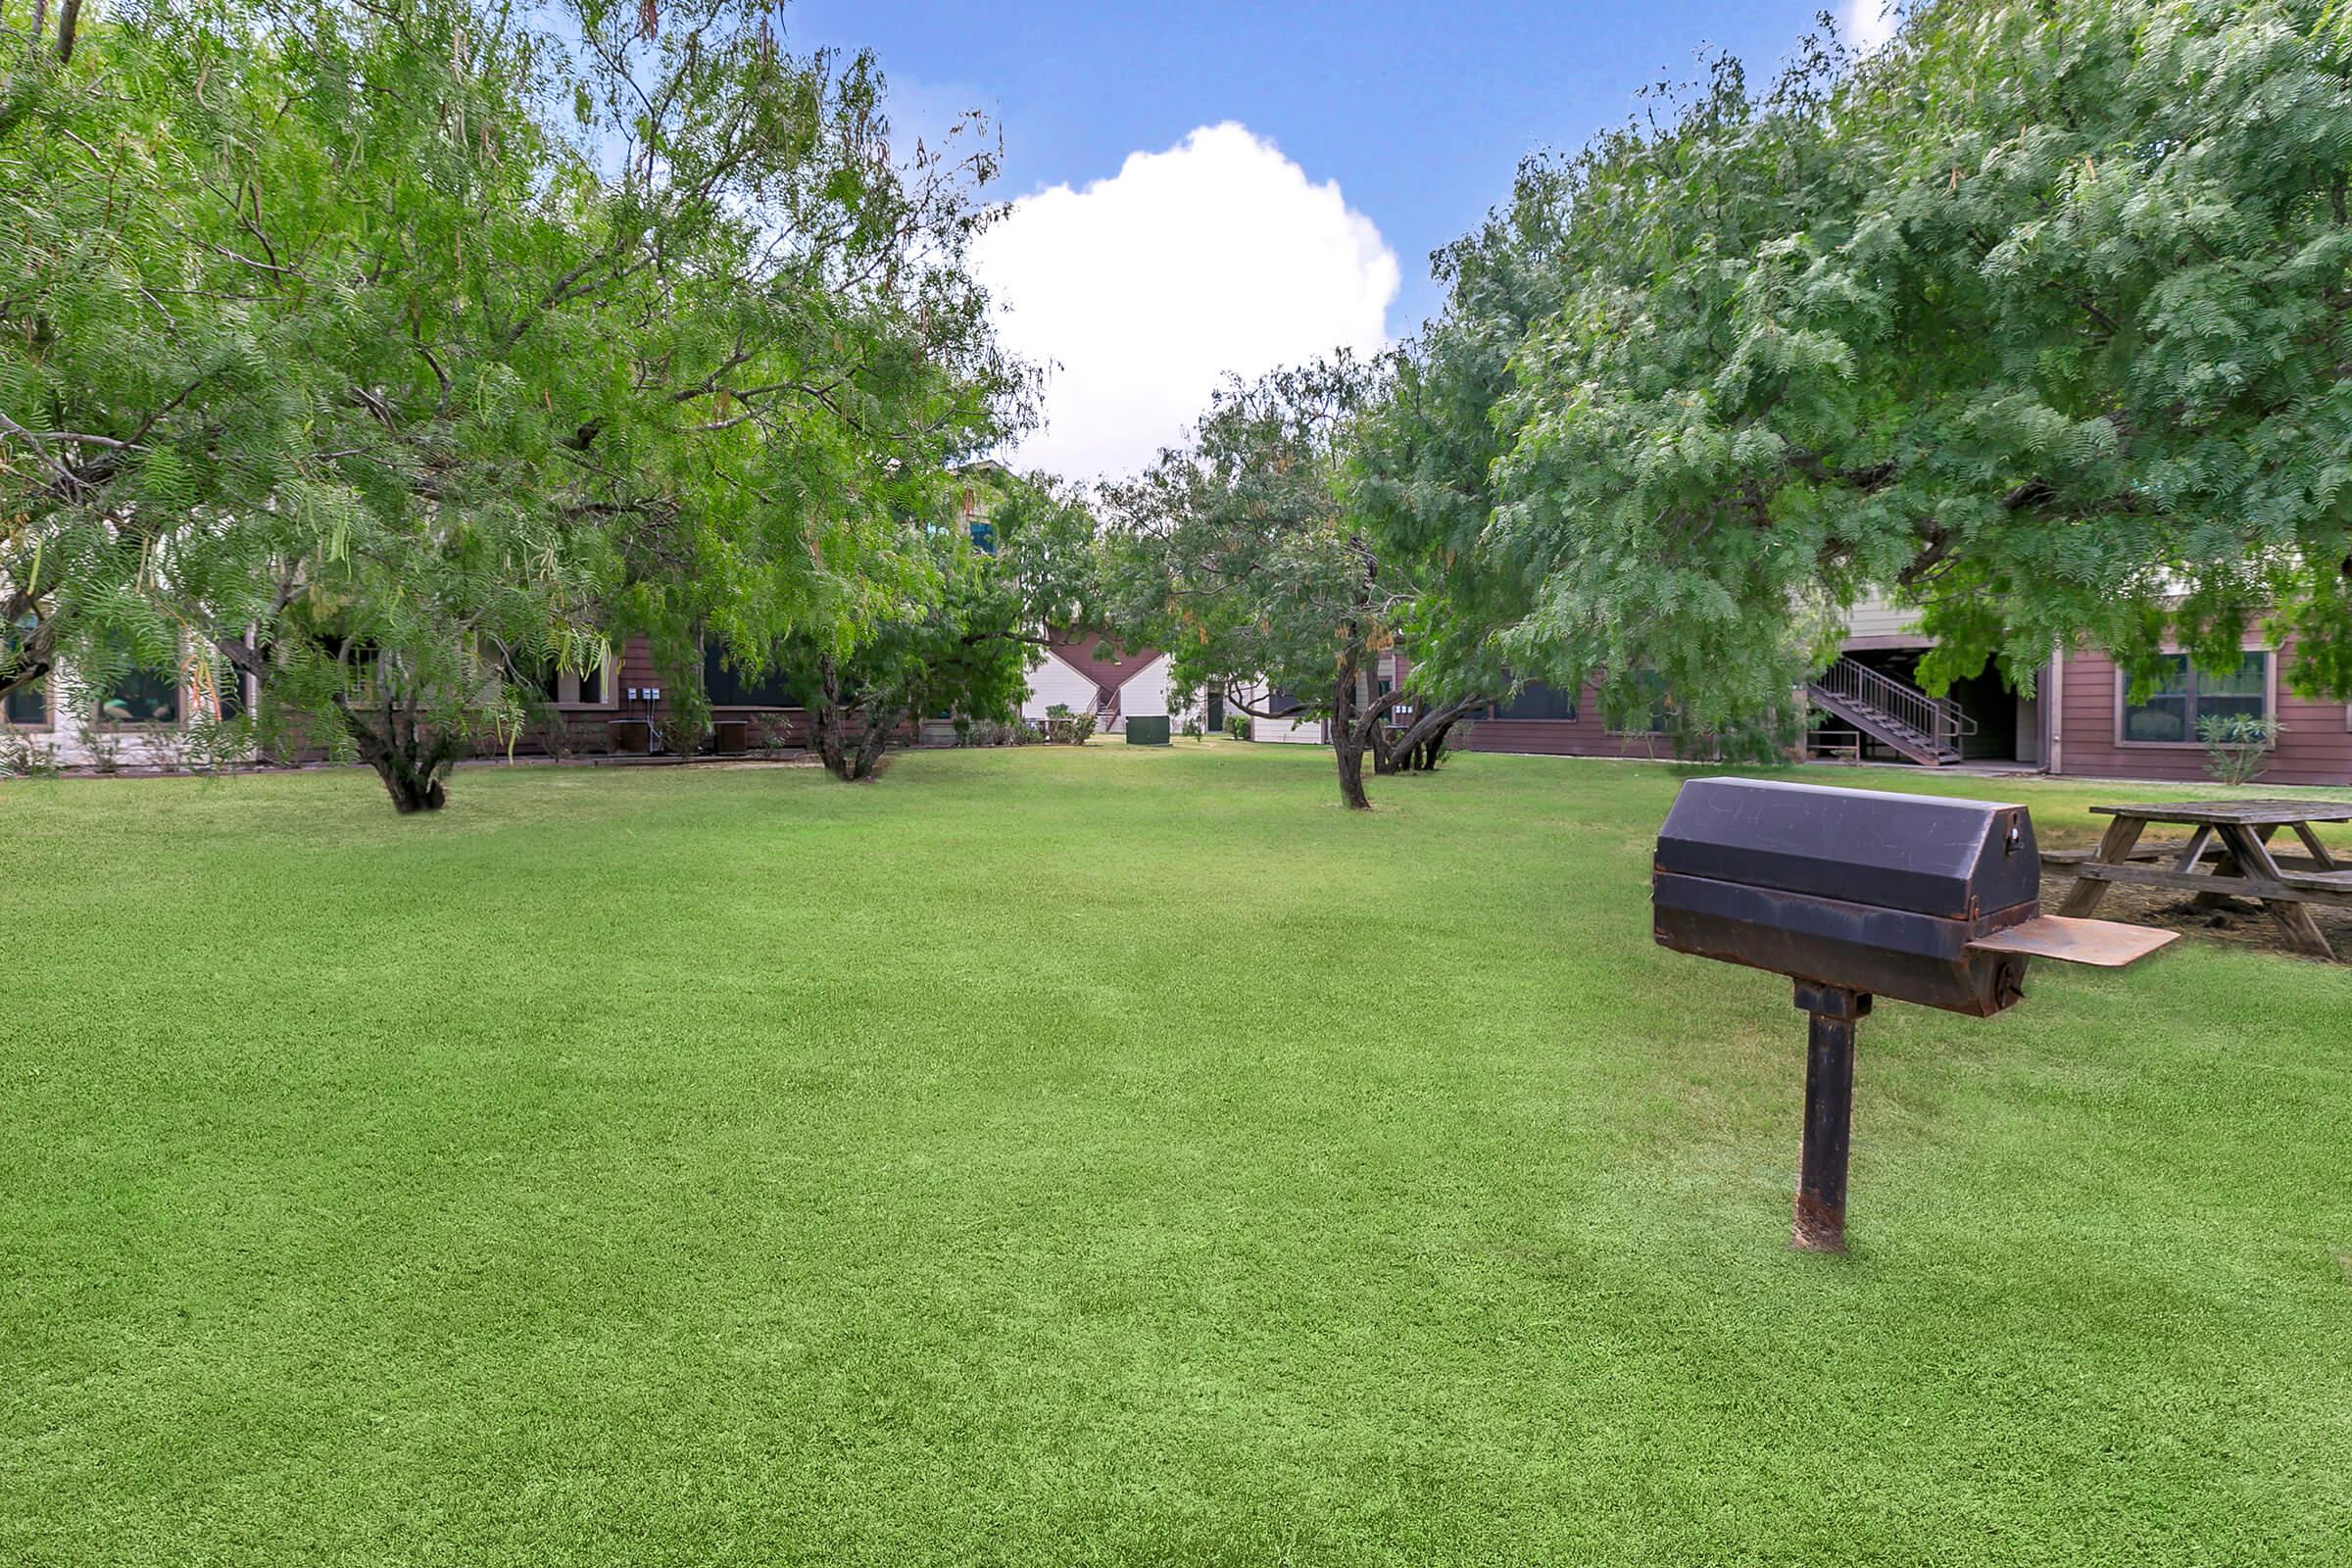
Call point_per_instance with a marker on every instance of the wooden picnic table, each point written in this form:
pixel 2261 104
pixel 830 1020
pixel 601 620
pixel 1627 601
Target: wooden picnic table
pixel 2237 834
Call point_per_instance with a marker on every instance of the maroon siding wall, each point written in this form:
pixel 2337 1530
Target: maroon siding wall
pixel 2315 745
pixel 1585 735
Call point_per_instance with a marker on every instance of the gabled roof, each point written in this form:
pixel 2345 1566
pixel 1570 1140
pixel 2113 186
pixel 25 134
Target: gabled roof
pixel 1097 654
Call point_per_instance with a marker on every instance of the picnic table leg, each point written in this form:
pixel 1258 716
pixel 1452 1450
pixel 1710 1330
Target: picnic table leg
pixel 2115 847
pixel 2318 851
pixel 2230 864
pixel 2291 913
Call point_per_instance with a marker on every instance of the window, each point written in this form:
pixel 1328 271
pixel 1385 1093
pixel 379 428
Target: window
pixel 562 687
pixel 729 688
pixel 1281 704
pixel 984 537
pixel 28 704
pixel 2187 696
pixel 1657 718
pixel 1535 699
pixel 141 697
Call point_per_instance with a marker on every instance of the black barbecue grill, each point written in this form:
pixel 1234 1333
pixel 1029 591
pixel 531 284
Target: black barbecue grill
pixel 1854 894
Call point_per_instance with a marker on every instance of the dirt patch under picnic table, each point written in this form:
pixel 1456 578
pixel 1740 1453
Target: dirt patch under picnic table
pixel 2241 922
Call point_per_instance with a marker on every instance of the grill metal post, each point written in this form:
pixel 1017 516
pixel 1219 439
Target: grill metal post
pixel 1835 1013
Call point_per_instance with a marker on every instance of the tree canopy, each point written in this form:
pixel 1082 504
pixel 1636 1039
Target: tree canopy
pixel 2040 316
pixel 374 349
pixel 1248 556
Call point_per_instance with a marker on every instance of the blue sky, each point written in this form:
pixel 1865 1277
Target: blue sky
pixel 1417 112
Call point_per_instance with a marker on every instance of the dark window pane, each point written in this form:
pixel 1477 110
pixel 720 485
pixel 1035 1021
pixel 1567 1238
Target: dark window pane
pixel 729 689
pixel 1282 702
pixel 592 685
pixel 30 703
pixel 1657 718
pixel 984 538
pixel 1535 699
pixel 2188 696
pixel 140 696
pixel 2159 718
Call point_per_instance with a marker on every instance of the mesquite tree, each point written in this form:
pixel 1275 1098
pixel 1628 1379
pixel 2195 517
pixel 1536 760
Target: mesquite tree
pixel 1007 557
pixel 2040 314
pixel 369 348
pixel 1245 556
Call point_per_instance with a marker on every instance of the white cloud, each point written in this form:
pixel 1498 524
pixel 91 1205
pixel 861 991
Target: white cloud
pixel 1867 23
pixel 1142 291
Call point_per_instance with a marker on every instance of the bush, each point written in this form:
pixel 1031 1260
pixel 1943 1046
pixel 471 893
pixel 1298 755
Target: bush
pixel 1192 729
pixel 22 757
pixel 989 732
pixel 104 748
pixel 553 730
pixel 2238 746
pixel 1237 725
pixel 210 745
pixel 771 733
pixel 1067 728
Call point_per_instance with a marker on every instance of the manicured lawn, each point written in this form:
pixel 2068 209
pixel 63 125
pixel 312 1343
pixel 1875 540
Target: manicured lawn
pixel 1117 1156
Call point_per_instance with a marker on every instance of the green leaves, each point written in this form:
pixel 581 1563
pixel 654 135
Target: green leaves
pixel 2038 315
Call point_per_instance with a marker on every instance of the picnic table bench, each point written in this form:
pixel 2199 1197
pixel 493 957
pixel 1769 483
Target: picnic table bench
pixel 2236 834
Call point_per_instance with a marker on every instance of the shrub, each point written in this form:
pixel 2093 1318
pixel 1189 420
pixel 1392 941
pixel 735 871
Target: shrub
pixel 105 748
pixel 1066 727
pixel 771 733
pixel 210 745
pixel 2238 746
pixel 22 757
pixel 990 732
pixel 553 730
pixel 1237 725
pixel 1192 728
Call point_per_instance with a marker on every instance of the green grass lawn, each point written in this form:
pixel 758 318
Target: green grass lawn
pixel 1107 1157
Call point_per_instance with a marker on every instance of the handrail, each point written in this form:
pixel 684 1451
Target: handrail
pixel 1939 720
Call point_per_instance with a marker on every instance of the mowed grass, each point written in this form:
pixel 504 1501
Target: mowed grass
pixel 1107 1157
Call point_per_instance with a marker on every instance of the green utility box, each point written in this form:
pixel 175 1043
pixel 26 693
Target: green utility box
pixel 1142 731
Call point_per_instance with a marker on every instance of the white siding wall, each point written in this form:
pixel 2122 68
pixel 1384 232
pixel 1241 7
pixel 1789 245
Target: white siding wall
pixel 1054 682
pixel 1876 616
pixel 75 738
pixel 1281 732
pixel 1143 694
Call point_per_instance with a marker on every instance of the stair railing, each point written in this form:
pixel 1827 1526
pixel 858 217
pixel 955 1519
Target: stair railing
pixel 1939 719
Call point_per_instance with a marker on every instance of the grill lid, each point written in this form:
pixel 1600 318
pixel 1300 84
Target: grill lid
pixel 1956 860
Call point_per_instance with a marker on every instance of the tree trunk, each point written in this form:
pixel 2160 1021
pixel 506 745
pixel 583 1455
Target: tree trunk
pixel 1347 744
pixel 874 742
pixel 829 722
pixel 825 720
pixel 1423 743
pixel 413 758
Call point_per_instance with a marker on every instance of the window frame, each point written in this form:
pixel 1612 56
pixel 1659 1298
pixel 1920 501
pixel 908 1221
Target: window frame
pixel 2122 692
pixel 570 681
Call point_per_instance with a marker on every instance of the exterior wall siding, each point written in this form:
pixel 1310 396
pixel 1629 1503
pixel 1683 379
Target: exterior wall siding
pixel 1055 681
pixel 2315 742
pixel 1585 735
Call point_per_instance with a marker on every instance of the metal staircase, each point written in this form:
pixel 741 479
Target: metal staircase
pixel 1926 729
pixel 1106 709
